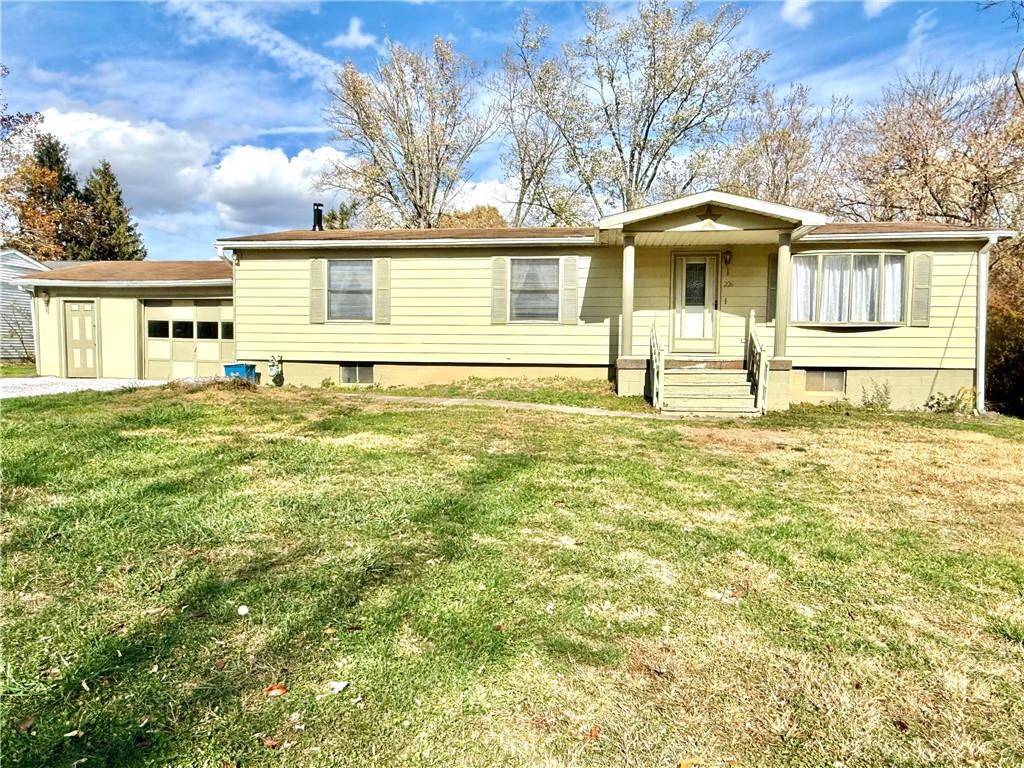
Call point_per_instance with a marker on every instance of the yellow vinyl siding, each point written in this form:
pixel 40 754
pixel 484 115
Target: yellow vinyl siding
pixel 118 338
pixel 440 312
pixel 48 337
pixel 743 285
pixel 948 341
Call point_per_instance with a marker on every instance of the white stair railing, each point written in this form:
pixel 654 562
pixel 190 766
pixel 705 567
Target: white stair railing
pixel 757 364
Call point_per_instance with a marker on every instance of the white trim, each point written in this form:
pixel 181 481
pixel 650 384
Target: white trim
pixel 881 253
pixel 447 242
pixel 508 291
pixel 328 320
pixel 122 283
pixel 724 199
pixel 1001 234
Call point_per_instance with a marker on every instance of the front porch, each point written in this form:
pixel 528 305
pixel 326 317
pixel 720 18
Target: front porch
pixel 702 279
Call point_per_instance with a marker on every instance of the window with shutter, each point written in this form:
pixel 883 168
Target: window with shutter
pixel 316 291
pixel 534 290
pixel 499 290
pixel 773 286
pixel 921 291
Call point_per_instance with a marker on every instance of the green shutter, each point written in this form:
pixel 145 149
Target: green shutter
pixel 570 290
pixel 316 291
pixel 499 290
pixel 921 289
pixel 382 291
pixel 773 287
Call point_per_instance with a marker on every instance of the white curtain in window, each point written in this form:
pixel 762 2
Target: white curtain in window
pixel 802 302
pixel 892 288
pixel 350 289
pixel 864 299
pixel 534 289
pixel 835 288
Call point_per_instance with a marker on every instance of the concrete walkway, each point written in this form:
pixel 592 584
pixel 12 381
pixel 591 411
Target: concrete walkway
pixel 512 405
pixel 35 386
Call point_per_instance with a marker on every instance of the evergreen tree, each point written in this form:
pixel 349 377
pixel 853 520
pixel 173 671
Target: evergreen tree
pixel 114 237
pixel 49 153
pixel 51 204
pixel 340 217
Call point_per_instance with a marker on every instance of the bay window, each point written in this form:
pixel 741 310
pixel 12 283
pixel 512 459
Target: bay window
pixel 848 288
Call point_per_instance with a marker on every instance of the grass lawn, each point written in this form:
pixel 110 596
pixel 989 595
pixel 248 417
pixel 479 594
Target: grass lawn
pixel 505 588
pixel 552 390
pixel 17 369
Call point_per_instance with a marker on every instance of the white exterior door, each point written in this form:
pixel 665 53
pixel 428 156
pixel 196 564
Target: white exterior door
pixel 695 294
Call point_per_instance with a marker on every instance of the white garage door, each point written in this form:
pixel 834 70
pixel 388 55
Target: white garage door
pixel 188 338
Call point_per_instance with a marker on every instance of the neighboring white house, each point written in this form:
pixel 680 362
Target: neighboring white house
pixel 17 340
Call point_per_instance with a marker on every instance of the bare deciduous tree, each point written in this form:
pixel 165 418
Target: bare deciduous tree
pixel 410 129
pixel 533 150
pixel 1016 8
pixel 18 132
pixel 786 150
pixel 632 93
pixel 938 146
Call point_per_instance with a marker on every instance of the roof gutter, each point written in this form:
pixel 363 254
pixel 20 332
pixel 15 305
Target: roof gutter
pixel 999 234
pixel 225 282
pixel 448 242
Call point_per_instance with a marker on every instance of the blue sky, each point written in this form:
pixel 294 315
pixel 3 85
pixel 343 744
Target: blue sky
pixel 210 113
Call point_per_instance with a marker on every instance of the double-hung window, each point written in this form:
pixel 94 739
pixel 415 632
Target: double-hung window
pixel 350 289
pixel 534 290
pixel 849 288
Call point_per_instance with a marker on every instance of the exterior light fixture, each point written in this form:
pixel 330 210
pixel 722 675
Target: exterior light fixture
pixel 727 257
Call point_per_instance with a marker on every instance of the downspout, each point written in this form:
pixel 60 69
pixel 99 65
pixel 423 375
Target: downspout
pixel 982 323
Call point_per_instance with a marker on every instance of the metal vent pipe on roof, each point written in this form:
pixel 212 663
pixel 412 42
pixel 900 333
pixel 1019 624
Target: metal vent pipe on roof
pixel 318 217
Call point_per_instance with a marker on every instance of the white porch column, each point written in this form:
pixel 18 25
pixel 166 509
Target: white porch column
pixel 783 276
pixel 628 272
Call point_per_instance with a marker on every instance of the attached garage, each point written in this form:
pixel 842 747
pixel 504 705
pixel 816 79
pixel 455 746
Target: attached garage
pixel 188 337
pixel 134 320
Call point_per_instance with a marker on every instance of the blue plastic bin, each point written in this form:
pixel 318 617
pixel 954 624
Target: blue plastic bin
pixel 240 371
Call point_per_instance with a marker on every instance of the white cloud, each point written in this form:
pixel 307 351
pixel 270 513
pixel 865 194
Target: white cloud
pixel 182 195
pixel 917 38
pixel 262 189
pixel 873 8
pixel 354 37
pixel 797 13
pixel 488 192
pixel 232 21
pixel 160 169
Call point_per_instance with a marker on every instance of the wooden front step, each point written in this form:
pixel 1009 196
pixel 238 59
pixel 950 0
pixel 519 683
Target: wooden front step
pixel 724 392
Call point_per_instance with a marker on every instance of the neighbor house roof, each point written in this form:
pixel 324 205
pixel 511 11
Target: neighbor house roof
pixel 136 273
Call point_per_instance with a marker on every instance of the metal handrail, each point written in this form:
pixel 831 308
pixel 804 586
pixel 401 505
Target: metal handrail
pixel 657 371
pixel 757 364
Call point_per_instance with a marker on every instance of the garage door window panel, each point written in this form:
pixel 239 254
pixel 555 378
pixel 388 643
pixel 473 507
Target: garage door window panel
pixel 158 329
pixel 183 329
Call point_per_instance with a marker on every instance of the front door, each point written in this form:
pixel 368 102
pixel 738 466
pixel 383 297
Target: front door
pixel 80 338
pixel 695 316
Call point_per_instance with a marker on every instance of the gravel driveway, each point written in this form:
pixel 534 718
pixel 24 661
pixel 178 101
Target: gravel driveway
pixel 53 385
